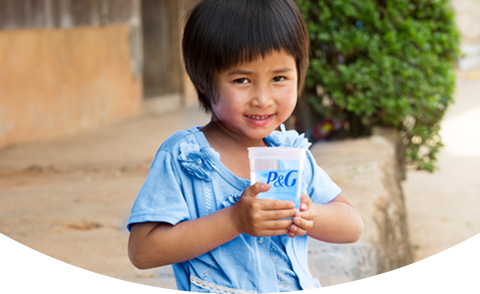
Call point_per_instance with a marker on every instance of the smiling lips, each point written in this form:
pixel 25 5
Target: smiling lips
pixel 259 120
pixel 258 117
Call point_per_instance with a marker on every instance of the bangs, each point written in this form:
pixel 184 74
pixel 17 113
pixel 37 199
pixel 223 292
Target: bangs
pixel 247 30
pixel 253 33
pixel 220 34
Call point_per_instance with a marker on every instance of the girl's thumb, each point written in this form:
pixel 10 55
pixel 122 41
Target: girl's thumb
pixel 257 188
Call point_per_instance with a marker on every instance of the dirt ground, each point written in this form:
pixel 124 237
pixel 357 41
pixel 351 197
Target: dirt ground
pixel 70 198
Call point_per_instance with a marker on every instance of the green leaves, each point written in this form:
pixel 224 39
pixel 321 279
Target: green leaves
pixel 383 63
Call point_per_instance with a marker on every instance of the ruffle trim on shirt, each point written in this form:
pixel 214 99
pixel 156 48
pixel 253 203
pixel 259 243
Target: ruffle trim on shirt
pixel 289 138
pixel 197 161
pixel 217 288
pixel 231 200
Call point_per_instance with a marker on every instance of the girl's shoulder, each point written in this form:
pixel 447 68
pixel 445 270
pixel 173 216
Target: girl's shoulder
pixel 284 138
pixel 188 150
pixel 173 143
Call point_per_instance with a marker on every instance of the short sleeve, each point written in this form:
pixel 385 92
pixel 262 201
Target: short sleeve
pixel 318 185
pixel 160 199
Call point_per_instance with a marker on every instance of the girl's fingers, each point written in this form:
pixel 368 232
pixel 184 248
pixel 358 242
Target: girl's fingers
pixel 274 228
pixel 305 202
pixel 279 214
pixel 302 223
pixel 303 206
pixel 294 231
pixel 281 224
pixel 299 232
pixel 255 189
pixel 269 204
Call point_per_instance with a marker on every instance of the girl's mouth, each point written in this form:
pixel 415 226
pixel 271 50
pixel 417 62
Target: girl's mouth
pixel 258 117
pixel 259 120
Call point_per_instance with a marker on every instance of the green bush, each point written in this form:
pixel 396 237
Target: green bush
pixel 383 63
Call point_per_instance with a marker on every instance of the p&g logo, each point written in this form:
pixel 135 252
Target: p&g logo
pixel 280 180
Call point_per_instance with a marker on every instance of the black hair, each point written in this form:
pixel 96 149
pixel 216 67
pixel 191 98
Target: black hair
pixel 220 34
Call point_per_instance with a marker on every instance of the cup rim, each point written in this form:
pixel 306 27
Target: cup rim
pixel 276 152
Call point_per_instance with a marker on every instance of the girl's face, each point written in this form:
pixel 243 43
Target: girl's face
pixel 254 98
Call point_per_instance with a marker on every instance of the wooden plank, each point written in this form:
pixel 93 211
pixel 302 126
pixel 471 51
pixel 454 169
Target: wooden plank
pixel 35 14
pixel 47 12
pixel 3 14
pixel 121 10
pixel 84 12
pixel 67 13
pixel 13 14
pixel 64 16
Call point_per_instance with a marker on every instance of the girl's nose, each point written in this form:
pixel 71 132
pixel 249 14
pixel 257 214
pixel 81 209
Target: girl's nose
pixel 262 97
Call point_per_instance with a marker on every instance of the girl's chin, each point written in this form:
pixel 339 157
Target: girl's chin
pixel 259 133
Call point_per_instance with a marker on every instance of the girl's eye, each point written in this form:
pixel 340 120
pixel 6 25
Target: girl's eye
pixel 241 81
pixel 279 79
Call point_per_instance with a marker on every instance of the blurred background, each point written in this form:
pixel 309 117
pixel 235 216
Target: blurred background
pixel 90 88
pixel 72 65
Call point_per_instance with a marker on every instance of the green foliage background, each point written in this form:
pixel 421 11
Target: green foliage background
pixel 384 63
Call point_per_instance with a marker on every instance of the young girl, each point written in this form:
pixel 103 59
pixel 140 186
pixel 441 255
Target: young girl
pixel 197 208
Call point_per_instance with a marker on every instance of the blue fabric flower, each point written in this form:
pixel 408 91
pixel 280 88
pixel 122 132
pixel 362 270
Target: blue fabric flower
pixel 231 200
pixel 197 161
pixel 289 138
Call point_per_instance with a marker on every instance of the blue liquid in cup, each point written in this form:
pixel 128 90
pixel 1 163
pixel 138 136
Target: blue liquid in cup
pixel 284 184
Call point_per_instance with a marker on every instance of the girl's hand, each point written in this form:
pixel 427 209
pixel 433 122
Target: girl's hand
pixel 261 217
pixel 303 219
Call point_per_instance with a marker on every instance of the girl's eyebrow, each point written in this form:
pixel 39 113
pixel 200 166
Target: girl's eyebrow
pixel 246 72
pixel 283 70
pixel 238 72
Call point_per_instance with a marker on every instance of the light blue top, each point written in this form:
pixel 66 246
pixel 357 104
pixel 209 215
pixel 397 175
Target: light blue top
pixel 187 180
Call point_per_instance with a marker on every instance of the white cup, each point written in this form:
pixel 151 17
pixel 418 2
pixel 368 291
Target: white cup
pixel 281 168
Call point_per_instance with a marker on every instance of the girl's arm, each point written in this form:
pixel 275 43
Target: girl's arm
pixel 156 244
pixel 335 222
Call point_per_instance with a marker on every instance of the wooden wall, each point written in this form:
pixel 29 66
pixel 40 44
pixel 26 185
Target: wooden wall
pixel 67 66
pixel 15 14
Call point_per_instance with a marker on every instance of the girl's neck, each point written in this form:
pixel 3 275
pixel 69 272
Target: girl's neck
pixel 232 149
pixel 219 137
